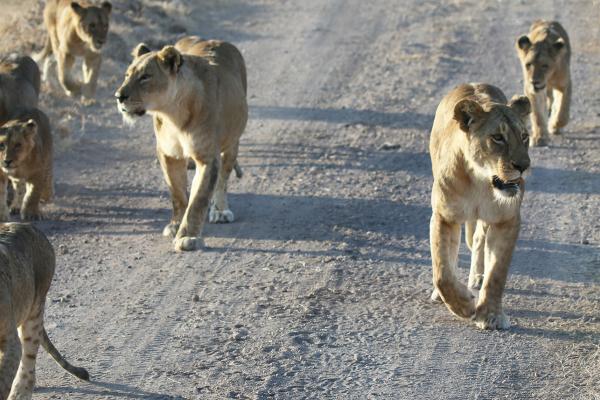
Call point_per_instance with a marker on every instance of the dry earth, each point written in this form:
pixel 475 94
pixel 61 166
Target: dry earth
pixel 320 288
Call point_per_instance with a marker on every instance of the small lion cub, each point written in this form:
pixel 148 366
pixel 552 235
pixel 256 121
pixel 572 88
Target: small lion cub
pixel 26 160
pixel 27 265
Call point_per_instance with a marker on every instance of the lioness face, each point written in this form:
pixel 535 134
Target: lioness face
pixel 93 22
pixel 148 81
pixel 498 142
pixel 16 142
pixel 539 60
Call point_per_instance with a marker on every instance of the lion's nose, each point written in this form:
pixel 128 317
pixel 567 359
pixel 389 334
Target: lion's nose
pixel 521 166
pixel 121 97
pixel 7 163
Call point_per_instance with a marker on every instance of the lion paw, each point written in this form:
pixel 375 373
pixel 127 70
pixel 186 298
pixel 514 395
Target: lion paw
pixel 170 230
pixel 555 131
pixel 436 297
pixel 491 320
pixel 217 216
pixel 188 243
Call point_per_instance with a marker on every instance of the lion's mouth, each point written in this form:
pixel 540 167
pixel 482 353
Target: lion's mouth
pixel 510 187
pixel 139 112
pixel 539 88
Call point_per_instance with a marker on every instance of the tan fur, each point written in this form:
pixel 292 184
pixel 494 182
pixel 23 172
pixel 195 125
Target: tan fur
pixel 27 265
pixel 196 93
pixel 476 136
pixel 545 54
pixel 26 160
pixel 19 86
pixel 75 29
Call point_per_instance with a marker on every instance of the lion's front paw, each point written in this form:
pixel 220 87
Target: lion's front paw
pixel 170 230
pixel 435 296
pixel 485 319
pixel 31 216
pixel 217 216
pixel 188 243
pixel 538 141
pixel 554 131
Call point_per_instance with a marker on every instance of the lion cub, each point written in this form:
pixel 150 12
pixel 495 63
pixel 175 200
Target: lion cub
pixel 26 160
pixel 75 29
pixel 545 55
pixel 27 265
pixel 479 153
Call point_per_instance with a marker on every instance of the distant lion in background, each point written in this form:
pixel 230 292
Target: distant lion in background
pixel 545 55
pixel 19 86
pixel 75 29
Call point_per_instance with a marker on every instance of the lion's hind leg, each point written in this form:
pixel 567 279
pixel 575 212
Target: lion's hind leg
pixel 30 334
pixel 10 349
pixel 219 208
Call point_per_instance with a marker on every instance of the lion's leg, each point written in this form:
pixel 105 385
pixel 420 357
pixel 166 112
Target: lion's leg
pixel 175 173
pixel 4 210
pixel 560 109
pixel 539 118
pixel 219 209
pixel 30 334
pixel 499 245
pixel 19 190
pixel 31 201
pixel 188 236
pixel 91 69
pixel 477 256
pixel 10 349
pixel 65 64
pixel 549 99
pixel 445 241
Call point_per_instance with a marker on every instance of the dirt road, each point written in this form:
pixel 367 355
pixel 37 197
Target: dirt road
pixel 320 288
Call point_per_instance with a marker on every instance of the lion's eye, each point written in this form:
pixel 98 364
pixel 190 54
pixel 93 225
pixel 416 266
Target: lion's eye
pixel 498 138
pixel 145 78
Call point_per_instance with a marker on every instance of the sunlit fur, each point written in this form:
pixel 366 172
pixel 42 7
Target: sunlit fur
pixel 477 136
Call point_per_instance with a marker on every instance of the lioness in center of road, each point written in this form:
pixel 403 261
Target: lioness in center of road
pixel 479 152
pixel 196 93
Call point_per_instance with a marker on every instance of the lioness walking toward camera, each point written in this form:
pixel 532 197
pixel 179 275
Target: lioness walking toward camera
pixel 479 152
pixel 19 86
pixel 75 29
pixel 26 269
pixel 196 93
pixel 545 55
pixel 26 160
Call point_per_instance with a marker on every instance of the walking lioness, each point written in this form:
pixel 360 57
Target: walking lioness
pixel 479 152
pixel 26 269
pixel 196 93
pixel 545 54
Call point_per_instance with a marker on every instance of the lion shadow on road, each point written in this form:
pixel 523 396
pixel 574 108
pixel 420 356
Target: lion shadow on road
pixel 107 389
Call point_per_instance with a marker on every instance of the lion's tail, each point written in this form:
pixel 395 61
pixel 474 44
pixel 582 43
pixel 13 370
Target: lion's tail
pixel 46 51
pixel 81 373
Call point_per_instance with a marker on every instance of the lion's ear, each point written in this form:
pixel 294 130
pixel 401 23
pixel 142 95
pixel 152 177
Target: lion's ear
pixel 467 112
pixel 171 58
pixel 521 105
pixel 30 128
pixel 140 50
pixel 79 10
pixel 559 44
pixel 524 43
pixel 107 7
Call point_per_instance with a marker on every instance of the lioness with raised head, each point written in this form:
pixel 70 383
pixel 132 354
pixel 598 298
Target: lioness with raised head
pixel 545 54
pixel 75 29
pixel 479 152
pixel 26 160
pixel 27 265
pixel 196 93
pixel 19 86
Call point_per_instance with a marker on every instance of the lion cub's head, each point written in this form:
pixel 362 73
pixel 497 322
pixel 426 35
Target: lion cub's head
pixel 539 52
pixel 498 141
pixel 148 84
pixel 92 23
pixel 17 140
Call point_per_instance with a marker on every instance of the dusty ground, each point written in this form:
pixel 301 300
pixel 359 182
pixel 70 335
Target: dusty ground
pixel 320 288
